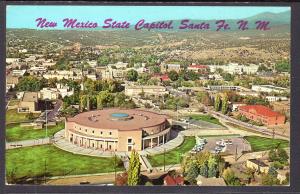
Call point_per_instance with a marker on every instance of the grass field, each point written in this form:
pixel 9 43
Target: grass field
pixel 13 116
pixel 14 132
pixel 207 118
pixel 30 162
pixel 173 156
pixel 262 143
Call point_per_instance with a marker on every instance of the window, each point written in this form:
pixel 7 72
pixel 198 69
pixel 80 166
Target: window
pixel 85 130
pixel 129 140
pixel 100 145
pixel 110 133
pixel 110 147
pixel 101 132
pixel 93 131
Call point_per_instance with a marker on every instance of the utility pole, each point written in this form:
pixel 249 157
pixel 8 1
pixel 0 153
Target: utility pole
pixel 46 119
pixel 164 159
pixel 115 167
pixel 45 170
pixel 235 153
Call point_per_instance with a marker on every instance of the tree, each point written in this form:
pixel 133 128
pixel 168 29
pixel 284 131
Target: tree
pixel 132 75
pixel 134 169
pixel 31 83
pixel 203 97
pixel 284 66
pixel 192 173
pixel 173 75
pixel 212 166
pixel 155 69
pixel 269 180
pixel 282 155
pixel 230 178
pixel 217 104
pixel 228 77
pixel 204 169
pixel 104 99
pixel 225 104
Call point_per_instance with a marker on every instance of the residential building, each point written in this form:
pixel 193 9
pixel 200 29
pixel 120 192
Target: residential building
pixel 258 165
pixel 147 90
pixel 18 73
pixel 263 114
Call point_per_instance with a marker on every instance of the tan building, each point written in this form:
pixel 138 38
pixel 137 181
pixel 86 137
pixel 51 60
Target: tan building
pixel 29 102
pixel 118 129
pixel 258 165
pixel 147 90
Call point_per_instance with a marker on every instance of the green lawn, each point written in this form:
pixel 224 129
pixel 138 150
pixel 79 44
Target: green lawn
pixel 207 118
pixel 262 143
pixel 13 116
pixel 173 156
pixel 14 132
pixel 30 162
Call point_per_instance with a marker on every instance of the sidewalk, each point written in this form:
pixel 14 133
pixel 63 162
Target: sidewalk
pixel 27 143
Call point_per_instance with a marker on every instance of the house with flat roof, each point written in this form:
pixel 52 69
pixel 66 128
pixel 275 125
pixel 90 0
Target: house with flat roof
pixel 258 165
pixel 28 102
pixel 263 114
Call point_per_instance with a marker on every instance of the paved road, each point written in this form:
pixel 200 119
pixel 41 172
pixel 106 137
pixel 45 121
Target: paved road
pixel 262 130
pixel 51 114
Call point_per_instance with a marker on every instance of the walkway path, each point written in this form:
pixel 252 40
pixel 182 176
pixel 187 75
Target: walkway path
pixel 27 143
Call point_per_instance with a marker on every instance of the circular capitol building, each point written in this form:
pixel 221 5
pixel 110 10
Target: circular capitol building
pixel 118 129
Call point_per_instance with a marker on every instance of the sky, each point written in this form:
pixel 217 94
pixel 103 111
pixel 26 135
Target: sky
pixel 24 16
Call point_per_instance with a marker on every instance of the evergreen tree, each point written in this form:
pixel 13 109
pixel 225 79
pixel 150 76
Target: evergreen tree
pixel 225 104
pixel 134 169
pixel 192 173
pixel 217 103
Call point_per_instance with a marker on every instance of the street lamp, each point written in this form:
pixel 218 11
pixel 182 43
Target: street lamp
pixel 46 100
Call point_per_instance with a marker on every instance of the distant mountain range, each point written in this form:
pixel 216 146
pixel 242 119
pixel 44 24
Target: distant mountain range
pixel 275 19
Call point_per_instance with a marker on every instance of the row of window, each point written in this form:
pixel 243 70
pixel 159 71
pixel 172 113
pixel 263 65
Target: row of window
pixel 93 131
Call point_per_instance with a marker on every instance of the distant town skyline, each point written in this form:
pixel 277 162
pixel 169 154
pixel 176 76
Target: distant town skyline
pixel 25 16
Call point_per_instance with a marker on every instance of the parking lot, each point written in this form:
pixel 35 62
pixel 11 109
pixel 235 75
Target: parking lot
pixel 226 145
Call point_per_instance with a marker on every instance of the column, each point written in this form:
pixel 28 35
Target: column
pixel 104 145
pixel 151 143
pixel 163 139
pixel 158 141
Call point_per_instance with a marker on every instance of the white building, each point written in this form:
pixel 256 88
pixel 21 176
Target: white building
pixel 147 90
pixel 235 68
pixel 12 60
pixel 222 87
pixel 64 74
pixel 276 98
pixel 18 73
pixel 49 93
pixel 268 88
